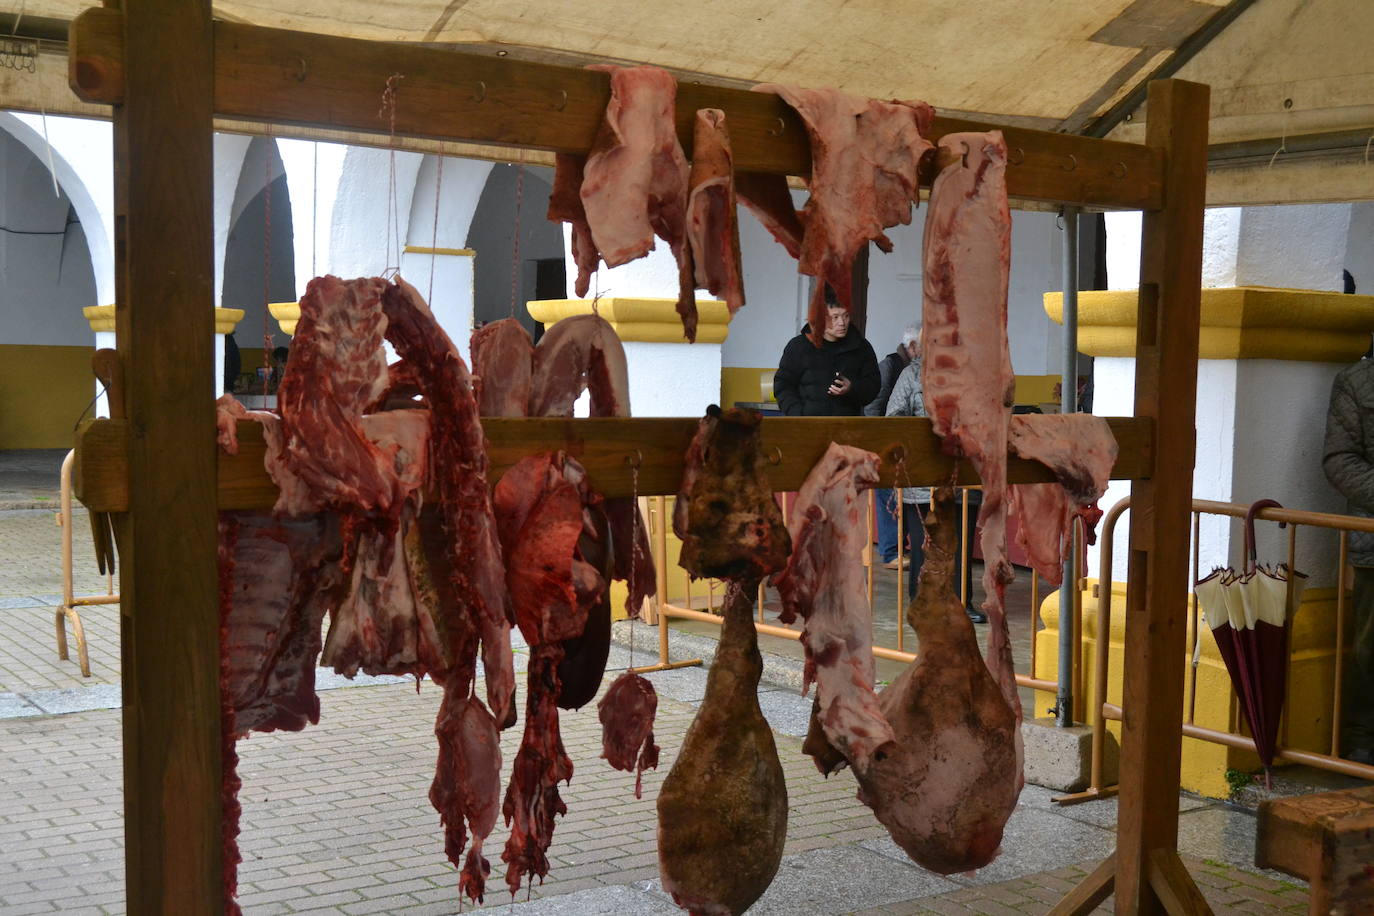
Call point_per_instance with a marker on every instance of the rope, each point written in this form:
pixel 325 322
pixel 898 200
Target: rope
pixel 267 266
pixel 635 554
pixel 314 212
pixel 392 242
pixel 515 242
pixel 434 236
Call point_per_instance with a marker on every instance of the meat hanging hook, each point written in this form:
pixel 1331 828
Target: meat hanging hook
pixel 782 126
pixel 635 459
pixel 1073 163
pixel 775 457
pixel 1019 156
pixel 481 95
pixel 1119 170
pixel 563 102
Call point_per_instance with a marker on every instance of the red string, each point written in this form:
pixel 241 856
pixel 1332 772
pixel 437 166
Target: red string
pixel 434 236
pixel 266 267
pixel 515 243
pixel 393 216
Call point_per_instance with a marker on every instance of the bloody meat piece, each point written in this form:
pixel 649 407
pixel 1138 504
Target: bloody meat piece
pixel 565 205
pixel 824 584
pixel 966 371
pixel 501 356
pixel 770 200
pixel 865 155
pixel 1081 450
pixel 722 809
pixel 712 231
pixel 725 514
pixel 627 726
pixel 946 786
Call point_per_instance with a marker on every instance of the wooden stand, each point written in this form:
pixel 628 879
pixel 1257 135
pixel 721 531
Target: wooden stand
pixel 167 69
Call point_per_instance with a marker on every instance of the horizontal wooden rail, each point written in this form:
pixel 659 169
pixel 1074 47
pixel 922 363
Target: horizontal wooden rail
pixel 608 447
pixel 319 81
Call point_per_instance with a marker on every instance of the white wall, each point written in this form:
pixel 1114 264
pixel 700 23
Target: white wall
pixel 492 234
pixel 1298 247
pixel 44 262
pixel 774 297
pixel 1359 247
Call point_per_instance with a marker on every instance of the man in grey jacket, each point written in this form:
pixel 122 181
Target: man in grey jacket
pixel 887 502
pixel 1348 460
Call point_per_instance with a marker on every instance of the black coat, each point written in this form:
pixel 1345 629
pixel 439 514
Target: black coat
pixel 806 371
pixel 888 370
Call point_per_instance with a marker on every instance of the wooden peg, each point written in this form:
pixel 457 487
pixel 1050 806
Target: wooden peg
pixel 110 373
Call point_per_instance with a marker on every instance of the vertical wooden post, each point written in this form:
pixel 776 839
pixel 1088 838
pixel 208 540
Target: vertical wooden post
pixel 1157 590
pixel 169 624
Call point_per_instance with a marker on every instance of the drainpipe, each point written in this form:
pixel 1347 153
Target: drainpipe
pixel 1068 400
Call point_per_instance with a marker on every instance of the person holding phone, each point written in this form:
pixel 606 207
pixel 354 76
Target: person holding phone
pixel 835 379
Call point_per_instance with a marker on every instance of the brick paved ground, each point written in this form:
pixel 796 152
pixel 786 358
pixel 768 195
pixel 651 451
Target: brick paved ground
pixel 337 820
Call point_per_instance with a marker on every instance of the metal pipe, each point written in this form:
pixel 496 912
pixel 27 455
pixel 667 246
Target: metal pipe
pixel 1336 710
pixel 901 577
pixel 1193 613
pixel 1068 403
pixel 1104 640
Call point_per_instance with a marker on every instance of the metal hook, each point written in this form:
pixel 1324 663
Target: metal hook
pixel 1119 170
pixel 1073 163
pixel 897 455
pixel 964 157
pixel 775 458
pixel 635 459
pixel 564 103
pixel 782 126
pixel 1017 159
pixel 301 69
pixel 481 92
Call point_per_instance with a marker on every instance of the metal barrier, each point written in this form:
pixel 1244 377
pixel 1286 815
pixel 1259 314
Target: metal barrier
pixel 1103 710
pixel 658 520
pixel 67 611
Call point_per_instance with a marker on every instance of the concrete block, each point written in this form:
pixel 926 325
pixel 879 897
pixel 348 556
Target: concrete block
pixel 1061 758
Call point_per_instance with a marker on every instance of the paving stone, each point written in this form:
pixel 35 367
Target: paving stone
pixel 12 705
pixel 1223 835
pixel 17 601
pixel 686 684
pixel 1034 841
pixel 600 901
pixel 327 679
pixel 786 712
pixel 76 699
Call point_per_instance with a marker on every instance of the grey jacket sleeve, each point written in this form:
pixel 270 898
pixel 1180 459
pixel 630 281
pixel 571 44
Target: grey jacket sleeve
pixel 1346 455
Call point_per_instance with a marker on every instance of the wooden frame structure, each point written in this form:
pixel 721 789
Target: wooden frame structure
pixel 168 69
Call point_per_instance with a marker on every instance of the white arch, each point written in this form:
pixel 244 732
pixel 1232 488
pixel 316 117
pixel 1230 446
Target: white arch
pixel 358 228
pixel 313 173
pixel 83 160
pixel 230 151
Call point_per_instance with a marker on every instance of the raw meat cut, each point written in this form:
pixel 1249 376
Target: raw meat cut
pixel 584 656
pixel 501 356
pixel 966 372
pixel 824 583
pixel 565 205
pixel 949 782
pixel 468 780
pixel 230 783
pixel 1081 451
pixel 712 233
pixel 634 183
pixel 865 155
pixel 540 516
pixel 725 514
pixel 627 726
pixel 722 809
pixel 337 370
pixel 768 198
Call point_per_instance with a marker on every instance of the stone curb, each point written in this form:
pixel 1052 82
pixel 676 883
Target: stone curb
pixel 778 670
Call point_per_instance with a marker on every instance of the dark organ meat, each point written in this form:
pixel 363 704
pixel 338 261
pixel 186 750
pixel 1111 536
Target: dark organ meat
pixel 722 809
pixel 627 726
pixel 1081 450
pixel 865 155
pixel 966 371
pixel 712 233
pixel 725 514
pixel 946 786
pixel 824 584
pixel 502 354
pixel 541 508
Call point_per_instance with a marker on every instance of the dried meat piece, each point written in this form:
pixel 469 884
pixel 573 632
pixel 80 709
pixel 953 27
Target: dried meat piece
pixel 565 205
pixel 946 786
pixel 467 784
pixel 865 155
pixel 824 584
pixel 768 198
pixel 627 726
pixel 725 513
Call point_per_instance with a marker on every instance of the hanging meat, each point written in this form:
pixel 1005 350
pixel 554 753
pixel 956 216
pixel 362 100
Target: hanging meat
pixel 865 155
pixel 502 354
pixel 627 726
pixel 712 232
pixel 945 787
pixel 544 508
pixel 824 584
pixel 966 372
pixel 722 810
pixel 1081 450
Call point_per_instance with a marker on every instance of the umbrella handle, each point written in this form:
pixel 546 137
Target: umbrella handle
pixel 1250 550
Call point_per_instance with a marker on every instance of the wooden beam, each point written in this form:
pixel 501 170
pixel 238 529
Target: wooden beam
pixel 320 81
pixel 1090 892
pixel 1174 887
pixel 604 445
pixel 1158 571
pixel 169 613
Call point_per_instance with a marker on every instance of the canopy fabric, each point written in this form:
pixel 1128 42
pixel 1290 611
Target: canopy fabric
pixel 1278 68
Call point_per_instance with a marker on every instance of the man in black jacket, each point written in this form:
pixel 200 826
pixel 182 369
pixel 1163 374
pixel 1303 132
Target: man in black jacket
pixel 835 379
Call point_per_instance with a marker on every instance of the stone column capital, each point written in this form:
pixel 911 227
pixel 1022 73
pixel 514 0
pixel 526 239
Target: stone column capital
pixel 287 314
pixel 1239 322
pixel 102 318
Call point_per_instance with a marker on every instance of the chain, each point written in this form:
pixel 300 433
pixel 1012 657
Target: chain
pixel 515 241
